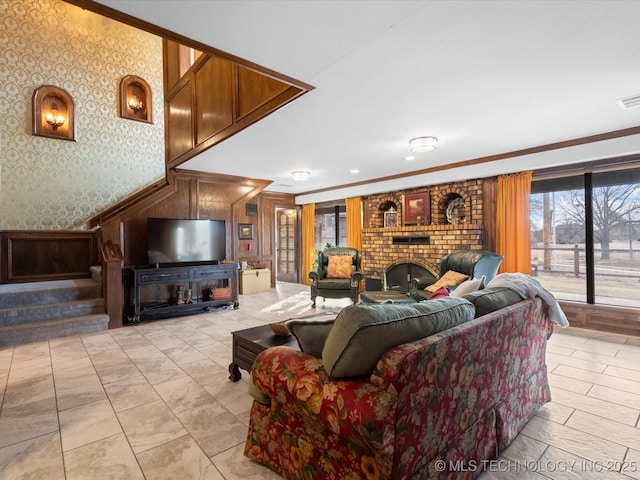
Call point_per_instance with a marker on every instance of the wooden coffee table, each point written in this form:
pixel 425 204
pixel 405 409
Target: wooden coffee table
pixel 248 343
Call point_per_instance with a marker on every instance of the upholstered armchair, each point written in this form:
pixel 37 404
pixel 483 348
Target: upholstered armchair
pixel 472 263
pixel 337 274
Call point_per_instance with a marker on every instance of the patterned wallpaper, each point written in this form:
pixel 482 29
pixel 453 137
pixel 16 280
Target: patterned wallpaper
pixel 51 184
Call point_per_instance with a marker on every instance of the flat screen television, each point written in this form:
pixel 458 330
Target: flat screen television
pixel 171 240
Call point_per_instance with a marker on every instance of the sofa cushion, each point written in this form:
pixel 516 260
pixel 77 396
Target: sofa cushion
pixel 311 333
pixel 491 299
pixel 469 286
pixel 449 279
pixel 339 266
pixel 362 333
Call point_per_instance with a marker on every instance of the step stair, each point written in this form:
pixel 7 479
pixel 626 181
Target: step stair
pixel 32 312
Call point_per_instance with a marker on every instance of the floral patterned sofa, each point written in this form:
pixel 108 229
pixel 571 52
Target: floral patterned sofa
pixel 435 407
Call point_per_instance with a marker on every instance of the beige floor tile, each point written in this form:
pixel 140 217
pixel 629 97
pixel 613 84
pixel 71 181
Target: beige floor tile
pixel 505 469
pixel 232 395
pixel 184 354
pixel 183 394
pixel 524 449
pixel 165 340
pixel 598 378
pixel 631 464
pixel 605 428
pixel 77 389
pixel 560 350
pixel 28 390
pixel 207 372
pixel 130 393
pixel 31 420
pixel 181 458
pixel 37 458
pixel 150 425
pixel 577 362
pixel 235 466
pixel 213 427
pixel 562 465
pixel 568 383
pixel 609 360
pixel 87 423
pixel 615 396
pixel 633 355
pixel 159 369
pixel 623 372
pixel 555 411
pixel 109 458
pixel 116 370
pixel 572 440
pixel 585 403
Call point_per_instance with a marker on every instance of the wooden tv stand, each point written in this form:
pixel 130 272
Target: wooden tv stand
pixel 200 277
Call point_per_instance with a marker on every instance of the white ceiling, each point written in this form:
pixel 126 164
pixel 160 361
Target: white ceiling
pixel 485 77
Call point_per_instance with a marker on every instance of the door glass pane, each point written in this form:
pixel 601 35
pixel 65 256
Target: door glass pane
pixel 616 236
pixel 558 238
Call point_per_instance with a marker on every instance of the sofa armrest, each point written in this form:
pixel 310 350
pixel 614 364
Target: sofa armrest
pixel 352 408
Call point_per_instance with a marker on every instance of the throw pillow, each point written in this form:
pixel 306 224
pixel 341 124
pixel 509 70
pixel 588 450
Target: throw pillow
pixel 311 333
pixel 451 278
pixel 340 266
pixel 439 293
pixel 469 286
pixel 489 300
pixel 361 333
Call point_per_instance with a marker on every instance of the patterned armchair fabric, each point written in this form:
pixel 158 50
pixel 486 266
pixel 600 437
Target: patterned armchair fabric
pixel 461 396
pixel 341 283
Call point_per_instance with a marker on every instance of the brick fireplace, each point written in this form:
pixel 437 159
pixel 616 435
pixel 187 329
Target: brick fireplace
pixel 423 245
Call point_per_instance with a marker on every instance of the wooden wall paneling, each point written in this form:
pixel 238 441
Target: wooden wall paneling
pixel 602 317
pixel 179 122
pixel 255 90
pixel 30 256
pixel 490 190
pixel 171 61
pixel 214 98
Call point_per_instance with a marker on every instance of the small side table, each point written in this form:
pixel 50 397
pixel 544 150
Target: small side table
pixel 248 343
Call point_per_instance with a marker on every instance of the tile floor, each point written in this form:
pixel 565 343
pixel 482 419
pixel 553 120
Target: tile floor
pixel 153 401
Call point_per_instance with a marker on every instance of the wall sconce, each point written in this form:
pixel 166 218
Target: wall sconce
pixel 135 99
pixel 53 113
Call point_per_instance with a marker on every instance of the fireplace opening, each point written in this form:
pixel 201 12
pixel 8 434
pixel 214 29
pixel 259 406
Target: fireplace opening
pixel 399 275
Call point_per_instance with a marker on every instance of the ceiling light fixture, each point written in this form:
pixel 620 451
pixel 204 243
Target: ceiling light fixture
pixel 423 144
pixel 300 175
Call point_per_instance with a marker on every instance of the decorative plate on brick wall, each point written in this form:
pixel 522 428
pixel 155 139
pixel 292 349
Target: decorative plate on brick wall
pixel 456 211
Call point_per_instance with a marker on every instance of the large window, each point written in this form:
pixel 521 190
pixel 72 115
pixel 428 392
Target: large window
pixel 585 236
pixel 330 227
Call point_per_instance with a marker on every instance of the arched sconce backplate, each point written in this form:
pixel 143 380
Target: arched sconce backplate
pixel 135 99
pixel 53 113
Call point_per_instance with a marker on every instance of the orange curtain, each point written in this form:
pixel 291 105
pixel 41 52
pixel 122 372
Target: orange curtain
pixel 354 223
pixel 354 227
pixel 308 240
pixel 513 235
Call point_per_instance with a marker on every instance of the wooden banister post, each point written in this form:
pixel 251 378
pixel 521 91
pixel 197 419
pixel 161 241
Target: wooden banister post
pixel 112 282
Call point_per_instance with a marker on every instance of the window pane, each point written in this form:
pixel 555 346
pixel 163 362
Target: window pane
pixel 325 230
pixel 616 236
pixel 558 241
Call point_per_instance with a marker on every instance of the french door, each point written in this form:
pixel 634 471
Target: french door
pixel 287 266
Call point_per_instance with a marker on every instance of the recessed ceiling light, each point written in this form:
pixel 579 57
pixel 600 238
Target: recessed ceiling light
pixel 423 144
pixel 410 157
pixel 300 175
pixel 629 102
pixel 354 170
